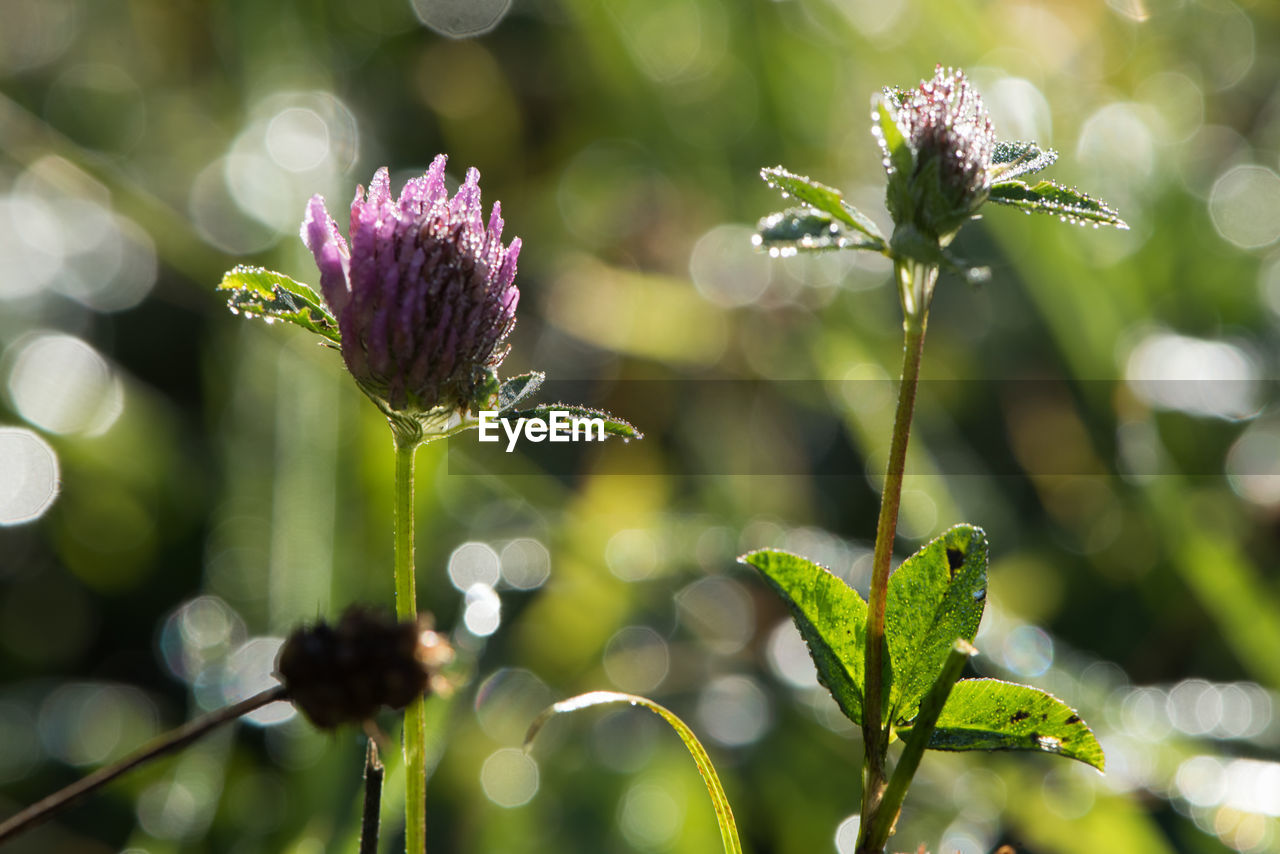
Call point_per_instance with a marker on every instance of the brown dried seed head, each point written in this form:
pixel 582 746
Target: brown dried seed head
pixel 344 673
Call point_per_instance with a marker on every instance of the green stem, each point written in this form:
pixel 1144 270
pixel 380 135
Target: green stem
pixel 415 734
pixel 882 822
pixel 915 284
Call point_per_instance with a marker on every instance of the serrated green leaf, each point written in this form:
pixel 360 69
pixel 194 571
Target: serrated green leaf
pixel 832 619
pixel 257 292
pixel 1066 202
pixel 719 801
pixel 804 229
pixel 517 388
pixel 613 425
pixel 989 714
pixel 820 197
pixel 935 597
pixel 1010 160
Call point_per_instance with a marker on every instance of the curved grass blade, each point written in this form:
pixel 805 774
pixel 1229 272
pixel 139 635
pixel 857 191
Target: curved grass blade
pixel 724 814
pixel 990 714
pixel 1055 199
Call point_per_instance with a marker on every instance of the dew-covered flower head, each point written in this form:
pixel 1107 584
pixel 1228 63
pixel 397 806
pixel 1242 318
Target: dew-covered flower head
pixel 424 292
pixel 951 140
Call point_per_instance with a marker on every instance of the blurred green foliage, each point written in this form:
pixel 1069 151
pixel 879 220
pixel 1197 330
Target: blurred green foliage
pixel 221 480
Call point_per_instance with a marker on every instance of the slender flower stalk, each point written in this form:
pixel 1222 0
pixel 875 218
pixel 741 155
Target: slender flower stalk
pixel 943 162
pixel 415 732
pixel 425 298
pixel 916 289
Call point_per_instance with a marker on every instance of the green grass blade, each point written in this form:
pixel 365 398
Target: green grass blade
pixel 724 814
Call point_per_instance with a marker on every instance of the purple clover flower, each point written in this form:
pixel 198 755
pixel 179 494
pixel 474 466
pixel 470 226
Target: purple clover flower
pixel 948 130
pixel 424 294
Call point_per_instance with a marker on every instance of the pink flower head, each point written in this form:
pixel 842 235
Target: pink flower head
pixel 424 294
pixel 948 130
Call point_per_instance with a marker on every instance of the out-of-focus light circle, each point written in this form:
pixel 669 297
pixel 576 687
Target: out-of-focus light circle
pixel 1179 102
pixel 726 269
pixel 1253 463
pixel 261 189
pixel 847 834
pixel 113 274
pixel 1194 375
pixel 669 39
pixel 626 742
pixel 218 218
pixel 650 817
pixel 474 563
pixel 87 723
pixel 297 139
pixel 961 838
pixel 636 659
pixel 28 476
pixel 61 384
pixel 734 710
pixel 1028 651
pixel 1222 44
pixel 719 610
pixel 200 633
pixel 250 670
pixel 507 701
pixel 919 514
pixel 1117 144
pixel 632 555
pixel 509 777
pixel 459 19
pixel 1144 714
pixel 1244 205
pixel 1269 283
pixel 1194 706
pixel 1018 109
pixel 482 613
pixel 168 810
pixel 31 244
pixel 1202 781
pixel 36 32
pixel 1236 718
pixel 789 657
pixel 525 563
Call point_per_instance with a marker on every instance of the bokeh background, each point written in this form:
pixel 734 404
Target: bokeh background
pixel 1104 407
